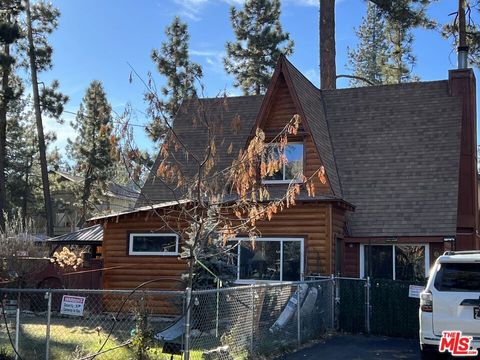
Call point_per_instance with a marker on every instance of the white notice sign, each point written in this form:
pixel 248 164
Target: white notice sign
pixel 415 290
pixel 72 305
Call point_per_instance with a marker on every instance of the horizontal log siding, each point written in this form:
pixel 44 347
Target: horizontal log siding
pixel 308 220
pixel 133 270
pixel 127 272
pixel 338 225
pixel 281 111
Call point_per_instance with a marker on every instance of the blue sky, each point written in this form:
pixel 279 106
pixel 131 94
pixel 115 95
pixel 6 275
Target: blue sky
pixel 98 39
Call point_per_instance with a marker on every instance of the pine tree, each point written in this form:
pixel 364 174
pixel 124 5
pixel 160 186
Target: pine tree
pixel 401 17
pixel 41 21
pixel 259 38
pixel 385 52
pixel 371 55
pixel 174 63
pixel 94 149
pixel 10 34
pixel 22 167
pixel 401 60
pixel 472 34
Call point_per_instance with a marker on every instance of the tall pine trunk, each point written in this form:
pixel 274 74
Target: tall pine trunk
pixel 328 72
pixel 87 190
pixel 38 118
pixel 3 138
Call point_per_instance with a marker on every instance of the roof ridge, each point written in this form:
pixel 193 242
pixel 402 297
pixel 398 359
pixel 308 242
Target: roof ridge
pixel 405 84
pixel 324 106
pixel 319 131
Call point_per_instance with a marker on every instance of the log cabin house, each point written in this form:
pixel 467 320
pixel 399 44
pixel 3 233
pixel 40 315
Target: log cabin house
pixel 401 187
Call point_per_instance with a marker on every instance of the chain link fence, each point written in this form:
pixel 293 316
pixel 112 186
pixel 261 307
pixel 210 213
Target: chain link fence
pixel 250 321
pixel 230 323
pixel 74 324
pixel 242 322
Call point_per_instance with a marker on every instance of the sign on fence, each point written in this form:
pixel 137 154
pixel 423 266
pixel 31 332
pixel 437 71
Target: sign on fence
pixel 415 290
pixel 72 305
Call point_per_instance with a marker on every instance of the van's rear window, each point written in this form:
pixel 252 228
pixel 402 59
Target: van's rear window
pixel 458 277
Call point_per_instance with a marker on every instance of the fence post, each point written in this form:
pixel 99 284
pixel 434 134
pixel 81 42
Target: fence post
pixel 48 296
pixel 253 320
pixel 17 327
pixel 299 324
pixel 334 299
pixel 187 323
pixel 367 305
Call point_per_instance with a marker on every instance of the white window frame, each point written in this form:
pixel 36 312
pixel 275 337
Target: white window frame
pixel 152 253
pixel 288 181
pixel 362 257
pixel 282 240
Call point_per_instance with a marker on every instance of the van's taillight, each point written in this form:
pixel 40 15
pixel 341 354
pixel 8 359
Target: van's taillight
pixel 426 301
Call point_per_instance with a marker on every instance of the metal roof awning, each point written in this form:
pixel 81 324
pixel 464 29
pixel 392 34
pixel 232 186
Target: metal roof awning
pixel 92 235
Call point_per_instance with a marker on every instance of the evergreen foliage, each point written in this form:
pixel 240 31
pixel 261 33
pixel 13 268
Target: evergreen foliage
pixel 369 59
pixel 10 34
pixel 41 20
pixel 94 149
pixel 259 38
pixel 173 62
pixel 385 51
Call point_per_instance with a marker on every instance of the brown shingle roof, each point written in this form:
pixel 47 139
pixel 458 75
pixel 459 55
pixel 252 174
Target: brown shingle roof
pixel 397 149
pixel 391 151
pixel 220 112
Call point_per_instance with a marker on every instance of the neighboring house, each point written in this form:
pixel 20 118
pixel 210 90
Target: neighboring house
pixel 67 215
pixel 400 162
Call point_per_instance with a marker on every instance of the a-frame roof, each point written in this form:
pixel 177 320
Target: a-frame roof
pixel 308 100
pixel 392 151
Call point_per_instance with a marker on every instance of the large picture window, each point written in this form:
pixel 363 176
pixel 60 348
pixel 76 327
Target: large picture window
pixel 270 259
pixel 292 169
pixel 153 244
pixel 398 262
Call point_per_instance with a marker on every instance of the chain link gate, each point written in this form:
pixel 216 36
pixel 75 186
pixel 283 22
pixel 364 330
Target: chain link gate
pixel 379 307
pixel 351 299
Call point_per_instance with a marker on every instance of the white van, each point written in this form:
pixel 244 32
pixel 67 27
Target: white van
pixel 451 300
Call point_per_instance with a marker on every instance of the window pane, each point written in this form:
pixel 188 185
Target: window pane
pixel 260 260
pixel 294 167
pixel 381 266
pixel 458 277
pixel 151 243
pixel 409 262
pixel 291 260
pixel 274 153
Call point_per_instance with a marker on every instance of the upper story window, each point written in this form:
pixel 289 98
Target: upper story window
pixel 153 244
pixel 293 169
